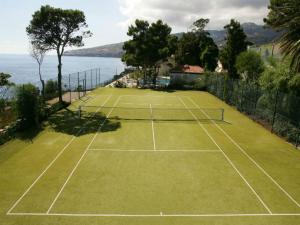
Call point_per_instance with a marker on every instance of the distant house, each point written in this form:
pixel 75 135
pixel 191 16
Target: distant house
pixel 186 74
pixel 220 68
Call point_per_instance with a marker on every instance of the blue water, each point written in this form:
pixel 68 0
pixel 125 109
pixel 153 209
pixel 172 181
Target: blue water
pixel 24 69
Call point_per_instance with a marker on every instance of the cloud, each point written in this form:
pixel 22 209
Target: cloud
pixel 180 14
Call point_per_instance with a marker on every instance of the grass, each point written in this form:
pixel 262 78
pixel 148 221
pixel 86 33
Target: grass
pixel 142 171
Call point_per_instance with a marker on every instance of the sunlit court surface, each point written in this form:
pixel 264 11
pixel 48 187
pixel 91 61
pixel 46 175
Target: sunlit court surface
pixel 129 156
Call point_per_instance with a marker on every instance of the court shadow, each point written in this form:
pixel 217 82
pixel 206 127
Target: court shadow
pixel 29 134
pixel 68 122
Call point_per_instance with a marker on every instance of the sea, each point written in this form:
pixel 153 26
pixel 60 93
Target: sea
pixel 24 69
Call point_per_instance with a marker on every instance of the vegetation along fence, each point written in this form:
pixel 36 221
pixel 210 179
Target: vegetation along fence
pixel 74 85
pixel 279 112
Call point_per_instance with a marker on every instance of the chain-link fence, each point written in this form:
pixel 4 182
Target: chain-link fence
pixel 279 112
pixel 74 86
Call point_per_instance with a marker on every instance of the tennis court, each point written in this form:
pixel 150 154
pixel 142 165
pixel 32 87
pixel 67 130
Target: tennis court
pixel 147 157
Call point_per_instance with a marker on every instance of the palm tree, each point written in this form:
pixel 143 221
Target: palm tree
pixel 284 16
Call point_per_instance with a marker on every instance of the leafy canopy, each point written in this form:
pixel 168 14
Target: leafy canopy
pixel 236 43
pixel 28 105
pixel 278 76
pixel 149 44
pixel 197 47
pixel 284 16
pixel 4 79
pixel 54 28
pixel 250 65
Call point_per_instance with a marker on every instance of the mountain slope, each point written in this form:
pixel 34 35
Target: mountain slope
pixel 257 34
pixel 112 50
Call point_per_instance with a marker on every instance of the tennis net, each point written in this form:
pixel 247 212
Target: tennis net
pixel 155 114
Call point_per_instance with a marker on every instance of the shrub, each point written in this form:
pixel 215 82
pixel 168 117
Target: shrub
pixel 51 89
pixel 120 84
pixel 28 105
pixel 200 84
pixel 2 105
pixel 250 65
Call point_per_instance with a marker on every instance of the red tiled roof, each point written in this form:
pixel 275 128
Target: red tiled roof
pixel 192 69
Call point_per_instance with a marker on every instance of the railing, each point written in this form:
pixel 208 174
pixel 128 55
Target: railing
pixel 74 85
pixel 277 111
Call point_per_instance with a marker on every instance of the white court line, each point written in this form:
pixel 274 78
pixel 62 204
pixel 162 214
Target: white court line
pixel 152 96
pixel 173 105
pixel 153 134
pixel 228 159
pixel 157 215
pixel 82 156
pixel 46 169
pixel 157 150
pixel 251 159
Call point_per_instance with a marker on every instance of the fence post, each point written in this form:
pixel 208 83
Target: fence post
pixel 242 96
pixel 70 88
pixel 297 139
pixel 100 77
pixel 78 85
pixel 96 78
pixel 91 79
pixel 256 97
pixel 217 83
pixel 85 83
pixel 224 88
pixel 275 111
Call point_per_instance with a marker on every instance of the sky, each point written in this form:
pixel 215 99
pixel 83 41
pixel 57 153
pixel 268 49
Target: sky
pixel 108 20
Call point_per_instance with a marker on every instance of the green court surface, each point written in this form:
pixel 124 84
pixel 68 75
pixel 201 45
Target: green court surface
pixel 137 157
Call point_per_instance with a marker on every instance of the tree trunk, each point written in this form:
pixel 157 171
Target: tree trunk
pixel 42 82
pixel 59 77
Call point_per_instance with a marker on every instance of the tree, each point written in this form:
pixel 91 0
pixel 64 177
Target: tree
pixel 149 45
pixel 188 49
pixel 284 16
pixel 236 43
pixel 197 47
pixel 27 105
pixel 4 79
pixel 38 54
pixel 51 89
pixel 55 29
pixel 199 25
pixel 278 76
pixel 162 45
pixel 209 53
pixel 136 49
pixel 250 65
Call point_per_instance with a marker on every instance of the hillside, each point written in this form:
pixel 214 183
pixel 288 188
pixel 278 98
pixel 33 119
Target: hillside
pixel 257 34
pixel 112 50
